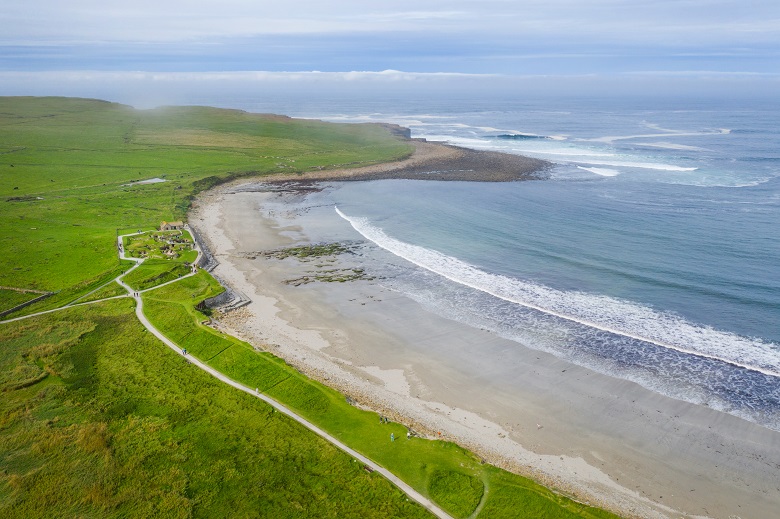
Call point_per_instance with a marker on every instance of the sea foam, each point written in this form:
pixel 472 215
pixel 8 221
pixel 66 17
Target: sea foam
pixel 604 172
pixel 623 318
pixel 639 165
pixel 564 155
pixel 668 133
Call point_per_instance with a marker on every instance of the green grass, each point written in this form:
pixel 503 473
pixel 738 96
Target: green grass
pixel 99 420
pixel 80 157
pixel 456 492
pixel 157 269
pixel 75 292
pixel 11 298
pixel 110 290
pixel 155 272
pixel 153 244
pixel 443 471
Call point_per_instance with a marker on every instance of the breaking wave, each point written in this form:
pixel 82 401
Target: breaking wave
pixel 625 319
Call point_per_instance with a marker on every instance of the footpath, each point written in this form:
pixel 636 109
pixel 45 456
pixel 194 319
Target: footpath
pixel 136 295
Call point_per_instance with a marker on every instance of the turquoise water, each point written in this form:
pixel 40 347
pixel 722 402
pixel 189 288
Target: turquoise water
pixel 651 252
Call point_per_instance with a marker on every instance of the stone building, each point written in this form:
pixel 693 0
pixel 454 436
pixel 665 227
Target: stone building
pixel 171 226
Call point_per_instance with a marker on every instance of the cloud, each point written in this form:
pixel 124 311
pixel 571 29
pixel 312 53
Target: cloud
pixel 80 21
pixel 179 20
pixel 240 76
pixel 501 36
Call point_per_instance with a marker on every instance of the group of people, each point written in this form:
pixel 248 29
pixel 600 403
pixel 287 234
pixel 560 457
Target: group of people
pixel 383 420
pixel 392 436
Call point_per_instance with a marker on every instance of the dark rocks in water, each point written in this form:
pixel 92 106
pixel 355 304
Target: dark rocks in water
pixel 520 136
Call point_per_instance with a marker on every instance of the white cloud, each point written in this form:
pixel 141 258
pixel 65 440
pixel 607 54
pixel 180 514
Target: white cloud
pixel 599 20
pixel 509 36
pixel 240 76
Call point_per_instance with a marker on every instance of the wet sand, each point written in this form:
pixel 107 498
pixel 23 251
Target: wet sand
pixel 435 161
pixel 603 440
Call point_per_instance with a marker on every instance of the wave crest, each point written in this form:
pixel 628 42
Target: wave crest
pixel 608 314
pixel 521 136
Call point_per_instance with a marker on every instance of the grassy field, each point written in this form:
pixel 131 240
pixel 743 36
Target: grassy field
pixel 70 172
pixel 12 298
pixel 155 244
pixel 99 419
pixel 110 290
pixel 155 272
pixel 449 475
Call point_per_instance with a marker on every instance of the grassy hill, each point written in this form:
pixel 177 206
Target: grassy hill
pixel 98 418
pixel 70 172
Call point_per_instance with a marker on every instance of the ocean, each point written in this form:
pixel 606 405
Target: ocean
pixel 650 252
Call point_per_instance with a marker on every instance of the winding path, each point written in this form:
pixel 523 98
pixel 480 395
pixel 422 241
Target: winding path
pixel 136 295
pixel 407 489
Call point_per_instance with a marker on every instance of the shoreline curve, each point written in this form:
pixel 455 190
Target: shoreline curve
pixel 433 161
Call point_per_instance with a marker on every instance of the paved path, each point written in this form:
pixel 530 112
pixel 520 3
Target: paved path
pixel 28 316
pixel 412 493
pixel 117 279
pixel 136 294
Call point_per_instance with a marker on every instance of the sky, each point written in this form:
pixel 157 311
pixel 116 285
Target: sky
pixel 402 40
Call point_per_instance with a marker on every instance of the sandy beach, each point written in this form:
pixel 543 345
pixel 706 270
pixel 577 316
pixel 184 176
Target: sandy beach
pixel 435 161
pixel 603 440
